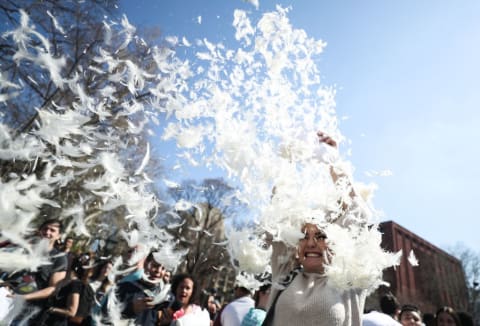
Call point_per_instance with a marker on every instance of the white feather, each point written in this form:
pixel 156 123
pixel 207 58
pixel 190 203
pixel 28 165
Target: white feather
pixel 171 184
pixel 412 259
pixel 249 251
pixel 31 259
pixel 145 160
pixel 131 237
pixel 185 42
pixel 20 308
pixel 168 256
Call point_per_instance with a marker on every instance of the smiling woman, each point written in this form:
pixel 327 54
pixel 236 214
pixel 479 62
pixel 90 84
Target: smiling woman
pixel 313 250
pixel 306 296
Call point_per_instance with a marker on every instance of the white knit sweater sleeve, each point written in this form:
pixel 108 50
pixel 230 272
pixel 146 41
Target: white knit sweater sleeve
pixel 282 262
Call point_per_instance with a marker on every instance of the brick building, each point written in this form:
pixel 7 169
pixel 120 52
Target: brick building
pixel 439 280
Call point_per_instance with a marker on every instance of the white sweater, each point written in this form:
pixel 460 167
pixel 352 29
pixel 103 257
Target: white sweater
pixel 310 300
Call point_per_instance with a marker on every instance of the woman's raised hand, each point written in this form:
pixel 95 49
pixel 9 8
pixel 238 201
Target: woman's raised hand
pixel 326 139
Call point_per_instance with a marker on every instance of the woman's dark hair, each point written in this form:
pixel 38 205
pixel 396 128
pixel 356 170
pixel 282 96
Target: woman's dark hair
pixel 149 258
pixel 389 304
pixel 179 278
pixel 204 296
pixel 409 307
pixel 450 311
pixel 78 265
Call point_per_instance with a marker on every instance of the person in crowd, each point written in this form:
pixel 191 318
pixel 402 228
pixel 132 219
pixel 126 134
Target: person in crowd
pixel 410 315
pixel 72 301
pixel 306 296
pixel 446 316
pixel 209 303
pixel 217 305
pixel 390 308
pixel 100 274
pixel 234 312
pixel 48 276
pixel 141 297
pixel 256 316
pixel 100 282
pixel 67 249
pixel 68 244
pixel 167 277
pixel 184 311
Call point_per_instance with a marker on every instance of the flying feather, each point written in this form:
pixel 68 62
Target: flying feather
pixel 145 160
pixel 412 259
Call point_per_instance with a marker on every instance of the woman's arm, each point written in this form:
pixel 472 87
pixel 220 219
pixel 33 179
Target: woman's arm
pixel 71 309
pixel 351 201
pixel 336 175
pixel 283 260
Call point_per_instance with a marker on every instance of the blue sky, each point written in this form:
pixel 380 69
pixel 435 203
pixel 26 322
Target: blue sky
pixel 407 75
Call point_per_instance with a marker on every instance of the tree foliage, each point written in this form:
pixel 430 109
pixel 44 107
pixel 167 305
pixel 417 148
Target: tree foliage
pixel 78 92
pixel 73 30
pixel 470 260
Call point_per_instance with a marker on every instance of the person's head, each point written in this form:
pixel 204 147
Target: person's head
pixel 68 244
pixel 240 291
pixel 82 267
pixel 103 268
pixel 211 304
pixel 106 268
pixel 245 285
pixel 153 268
pixel 410 315
pixel 51 229
pixel 389 305
pixel 313 249
pixel 208 302
pixel 184 289
pixel 167 277
pixel 446 316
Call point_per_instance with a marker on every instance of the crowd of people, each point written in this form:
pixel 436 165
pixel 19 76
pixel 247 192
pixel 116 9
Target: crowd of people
pixel 78 289
pixel 75 290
